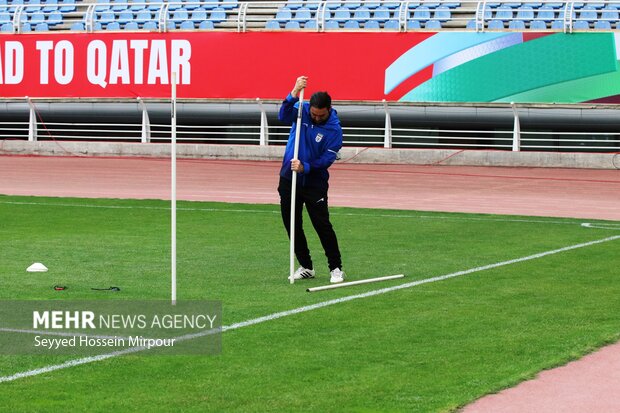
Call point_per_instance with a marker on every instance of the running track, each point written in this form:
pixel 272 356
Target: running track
pixel 589 385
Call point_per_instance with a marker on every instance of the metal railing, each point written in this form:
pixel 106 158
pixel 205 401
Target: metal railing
pixel 262 133
pixel 318 15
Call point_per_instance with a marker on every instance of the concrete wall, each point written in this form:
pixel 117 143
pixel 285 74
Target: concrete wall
pixel 349 154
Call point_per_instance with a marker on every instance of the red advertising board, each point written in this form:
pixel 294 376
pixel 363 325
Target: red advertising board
pixel 215 65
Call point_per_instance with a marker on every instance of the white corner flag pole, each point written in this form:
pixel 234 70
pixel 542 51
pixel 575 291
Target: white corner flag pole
pixel 294 186
pixel 173 187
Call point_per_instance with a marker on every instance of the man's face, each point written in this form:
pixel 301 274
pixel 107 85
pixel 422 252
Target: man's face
pixel 319 116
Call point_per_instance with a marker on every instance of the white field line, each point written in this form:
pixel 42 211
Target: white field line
pixel 262 211
pixel 275 316
pixel 611 226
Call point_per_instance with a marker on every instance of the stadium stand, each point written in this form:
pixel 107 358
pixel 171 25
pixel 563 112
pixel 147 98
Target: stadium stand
pixel 87 15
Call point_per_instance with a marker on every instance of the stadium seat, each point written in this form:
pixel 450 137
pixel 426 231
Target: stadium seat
pixel 610 15
pixel 442 13
pixel 174 5
pixel 229 4
pixel 77 26
pixel 602 25
pixel 351 24
pixel 333 5
pixel 294 4
pixel 525 13
pixel 352 4
pixel 105 17
pixel 54 18
pixel 132 25
pixel 310 24
pixel 32 6
pixel 26 27
pixel 218 15
pixel 125 16
pixel 41 27
pixel 5 17
pixel 538 25
pixel 143 16
pixel 332 24
pixel 496 24
pixel 150 25
pixel 362 14
pixel 512 5
pixel 581 25
pixel 371 4
pixel 413 25
pixel 37 17
pixel 118 6
pixel 283 15
pixel 546 13
pixel 292 25
pixel 272 24
pixel 50 6
pixel 381 14
pixel 452 5
pixel 341 15
pixel 206 25
pixel 170 25
pixel 179 16
pixel 431 4
pixel 199 15
pixel 588 13
pixel 471 25
pixel 557 24
pixel 391 4
pixel 392 25
pixel 102 5
pixel 67 6
pixel 433 24
pixel 187 25
pixel 303 14
pixel 7 28
pixel 372 24
pixel 422 14
pixel 503 13
pixel 137 5
pixel 191 4
pixel 516 25
pixel 113 26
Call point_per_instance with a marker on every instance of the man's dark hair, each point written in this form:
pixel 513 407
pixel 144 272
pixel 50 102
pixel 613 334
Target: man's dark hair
pixel 321 100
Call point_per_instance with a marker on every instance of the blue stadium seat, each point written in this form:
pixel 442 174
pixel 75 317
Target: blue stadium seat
pixel 578 5
pixel 37 17
pixel 442 13
pixel 610 15
pixel 581 25
pixel 131 26
pixel 283 15
pixel 362 14
pixel 451 5
pixel 496 24
pixel 113 26
pixel 41 27
pixel 206 25
pixel 557 24
pixel 118 5
pixel 512 5
pixel 332 24
pixel 7 28
pixel 105 17
pixel 154 5
pixel 471 25
pixel 351 24
pixel 102 5
pixel 292 25
pixel 372 24
pixel 303 14
pixel 391 4
pixel 596 5
pixel 422 14
pixel 191 5
pixel 555 5
pixel 294 4
pixel 179 15
pixel 218 15
pixel 54 18
pixel 5 17
pixel 150 25
pixel 588 13
pixel 312 4
pixel 210 4
pixel 546 13
pixel 413 25
pixel 137 5
pixel 170 25
pixel 77 26
pixel 381 14
pixel 352 4
pixel 199 15
pixel 125 16
pixel 50 6
pixel 272 24
pixel 431 4
pixel 174 5
pixel 503 13
pixel 229 4
pixel 32 6
pixel 602 25
pixel 525 13
pixel 538 25
pixel 433 24
pixel 516 25
pixel 143 16
pixel 341 15
pixel 392 25
pixel 371 4
pixel 333 5
pixel 26 27
pixel 187 25
pixel 310 24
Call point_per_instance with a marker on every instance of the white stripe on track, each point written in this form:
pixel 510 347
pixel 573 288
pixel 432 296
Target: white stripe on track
pixel 275 316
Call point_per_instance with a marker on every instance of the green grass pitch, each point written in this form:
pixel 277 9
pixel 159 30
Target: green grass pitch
pixel 430 348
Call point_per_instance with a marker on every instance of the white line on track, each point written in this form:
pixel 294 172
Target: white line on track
pixel 263 211
pixel 275 316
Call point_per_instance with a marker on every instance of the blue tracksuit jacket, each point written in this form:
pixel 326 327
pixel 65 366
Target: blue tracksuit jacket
pixel 318 144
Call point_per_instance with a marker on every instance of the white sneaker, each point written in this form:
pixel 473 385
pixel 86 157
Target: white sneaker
pixel 337 276
pixel 303 273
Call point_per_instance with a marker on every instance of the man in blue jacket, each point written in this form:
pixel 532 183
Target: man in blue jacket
pixel 320 139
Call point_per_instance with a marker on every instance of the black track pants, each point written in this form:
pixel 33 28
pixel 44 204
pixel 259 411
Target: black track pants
pixel 315 200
